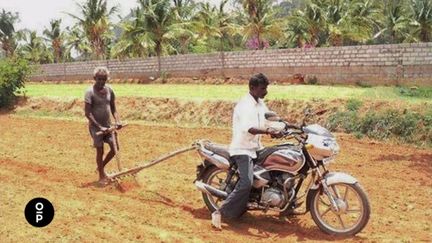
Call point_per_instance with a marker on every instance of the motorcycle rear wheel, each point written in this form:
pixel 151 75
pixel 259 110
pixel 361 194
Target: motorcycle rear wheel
pixel 354 209
pixel 214 177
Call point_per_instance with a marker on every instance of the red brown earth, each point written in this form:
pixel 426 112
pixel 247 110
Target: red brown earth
pixel 54 159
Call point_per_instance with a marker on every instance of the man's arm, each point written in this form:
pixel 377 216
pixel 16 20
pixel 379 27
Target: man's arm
pixel 245 119
pixel 268 131
pixel 114 109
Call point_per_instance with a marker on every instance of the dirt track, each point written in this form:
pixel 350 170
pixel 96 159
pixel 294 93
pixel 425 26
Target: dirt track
pixel 54 159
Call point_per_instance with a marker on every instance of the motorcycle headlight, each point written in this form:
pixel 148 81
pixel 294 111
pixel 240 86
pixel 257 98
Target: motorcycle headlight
pixel 332 145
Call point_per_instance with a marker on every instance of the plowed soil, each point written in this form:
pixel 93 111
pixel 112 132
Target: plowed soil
pixel 53 159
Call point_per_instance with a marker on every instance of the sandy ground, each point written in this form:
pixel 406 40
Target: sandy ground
pixel 54 159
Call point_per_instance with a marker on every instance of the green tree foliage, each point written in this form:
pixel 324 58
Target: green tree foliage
pixel 76 41
pixel 56 39
pixel 95 24
pixel 184 11
pixel 421 15
pixel 34 49
pixel 396 23
pixel 154 29
pixel 261 22
pixel 8 35
pixel 215 27
pixel 157 28
pixel 13 73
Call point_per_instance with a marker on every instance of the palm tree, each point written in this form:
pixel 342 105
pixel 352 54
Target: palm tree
pixel 56 38
pixel 364 17
pixel 297 32
pixel 206 24
pixel 159 27
pixel 77 43
pixel 226 24
pixel 345 21
pixel 261 23
pixel 34 48
pixel 337 20
pixel 184 11
pixel 96 25
pixel 135 40
pixel 421 14
pixel 7 32
pixel 396 23
pixel 305 26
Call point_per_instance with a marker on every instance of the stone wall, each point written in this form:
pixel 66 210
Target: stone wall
pixel 409 64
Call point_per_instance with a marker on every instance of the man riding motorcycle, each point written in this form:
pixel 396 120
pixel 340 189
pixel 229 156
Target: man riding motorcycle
pixel 249 124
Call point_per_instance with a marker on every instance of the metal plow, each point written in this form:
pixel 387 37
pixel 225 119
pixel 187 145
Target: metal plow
pixel 133 171
pixel 116 177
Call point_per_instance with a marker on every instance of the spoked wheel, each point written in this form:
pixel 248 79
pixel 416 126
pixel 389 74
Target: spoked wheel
pixel 215 177
pixel 353 213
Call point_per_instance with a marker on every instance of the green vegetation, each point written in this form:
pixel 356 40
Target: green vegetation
pixel 405 126
pixel 229 92
pixel 353 104
pixel 169 27
pixel 419 92
pixel 12 76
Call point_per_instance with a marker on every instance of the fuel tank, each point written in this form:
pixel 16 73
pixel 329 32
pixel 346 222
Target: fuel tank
pixel 285 159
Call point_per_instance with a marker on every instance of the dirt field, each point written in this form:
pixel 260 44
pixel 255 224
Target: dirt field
pixel 54 159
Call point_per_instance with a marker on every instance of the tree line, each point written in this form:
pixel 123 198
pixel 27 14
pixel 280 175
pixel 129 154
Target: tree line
pixel 169 27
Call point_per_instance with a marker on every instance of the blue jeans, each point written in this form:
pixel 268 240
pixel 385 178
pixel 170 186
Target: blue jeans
pixel 235 204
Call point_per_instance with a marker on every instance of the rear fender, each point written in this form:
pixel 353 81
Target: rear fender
pixel 214 158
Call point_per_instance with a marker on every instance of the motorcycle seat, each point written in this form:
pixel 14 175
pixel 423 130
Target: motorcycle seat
pixel 219 149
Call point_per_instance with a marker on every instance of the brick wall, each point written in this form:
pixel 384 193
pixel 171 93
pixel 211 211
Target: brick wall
pixel 377 64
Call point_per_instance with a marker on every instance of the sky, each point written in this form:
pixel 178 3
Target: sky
pixel 36 14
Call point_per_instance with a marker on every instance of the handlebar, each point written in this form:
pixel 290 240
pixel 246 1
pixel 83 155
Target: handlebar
pixel 111 129
pixel 291 131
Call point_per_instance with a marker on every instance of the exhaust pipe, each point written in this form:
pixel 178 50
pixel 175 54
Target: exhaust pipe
pixel 210 190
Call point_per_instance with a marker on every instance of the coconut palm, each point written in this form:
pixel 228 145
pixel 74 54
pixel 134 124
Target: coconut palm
pixel 135 40
pixel 261 23
pixel 226 24
pixel 96 25
pixel 364 17
pixel 76 43
pixel 206 24
pixel 8 35
pixel 159 27
pixel 184 9
pixel 421 15
pixel 305 26
pixel 55 36
pixel 297 32
pixel 34 48
pixel 344 21
pixel 396 23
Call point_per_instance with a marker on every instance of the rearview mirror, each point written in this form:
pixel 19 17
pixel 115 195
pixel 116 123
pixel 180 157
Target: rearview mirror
pixel 272 116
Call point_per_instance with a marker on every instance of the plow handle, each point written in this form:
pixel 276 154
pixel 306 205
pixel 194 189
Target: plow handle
pixel 110 130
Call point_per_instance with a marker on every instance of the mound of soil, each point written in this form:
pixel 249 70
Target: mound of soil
pixel 200 113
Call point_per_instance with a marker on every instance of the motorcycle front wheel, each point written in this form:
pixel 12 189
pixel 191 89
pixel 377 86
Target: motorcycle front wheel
pixel 353 213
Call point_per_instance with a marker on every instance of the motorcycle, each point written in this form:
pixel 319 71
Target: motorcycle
pixel 336 201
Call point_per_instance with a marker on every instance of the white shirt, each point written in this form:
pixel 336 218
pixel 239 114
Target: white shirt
pixel 247 114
